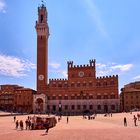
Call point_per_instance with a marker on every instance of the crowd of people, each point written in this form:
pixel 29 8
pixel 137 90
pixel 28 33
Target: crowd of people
pixel 35 122
pixel 29 123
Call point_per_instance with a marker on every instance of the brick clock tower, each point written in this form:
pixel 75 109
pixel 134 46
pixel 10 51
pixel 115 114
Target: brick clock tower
pixel 42 30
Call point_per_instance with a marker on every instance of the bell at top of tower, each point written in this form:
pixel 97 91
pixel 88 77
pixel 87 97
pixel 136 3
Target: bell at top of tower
pixel 42 24
pixel 42 13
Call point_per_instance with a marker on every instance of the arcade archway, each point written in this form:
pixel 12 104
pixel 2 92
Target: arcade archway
pixel 39 105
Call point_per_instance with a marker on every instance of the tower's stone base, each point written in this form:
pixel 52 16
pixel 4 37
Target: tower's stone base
pixel 39 103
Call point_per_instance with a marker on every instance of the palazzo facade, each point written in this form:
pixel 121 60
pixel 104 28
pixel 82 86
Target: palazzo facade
pixel 81 92
pixel 15 98
pixel 130 97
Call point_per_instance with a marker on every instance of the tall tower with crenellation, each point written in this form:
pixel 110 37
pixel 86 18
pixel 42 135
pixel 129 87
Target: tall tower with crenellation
pixel 42 30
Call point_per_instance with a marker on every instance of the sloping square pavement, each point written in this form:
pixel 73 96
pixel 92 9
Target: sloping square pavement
pixel 100 128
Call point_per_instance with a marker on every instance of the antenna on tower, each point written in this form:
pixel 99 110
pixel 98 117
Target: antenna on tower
pixel 43 2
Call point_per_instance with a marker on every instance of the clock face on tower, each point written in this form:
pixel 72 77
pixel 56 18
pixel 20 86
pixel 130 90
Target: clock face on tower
pixel 81 74
pixel 41 77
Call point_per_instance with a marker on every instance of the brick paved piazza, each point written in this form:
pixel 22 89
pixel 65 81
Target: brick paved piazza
pixel 102 128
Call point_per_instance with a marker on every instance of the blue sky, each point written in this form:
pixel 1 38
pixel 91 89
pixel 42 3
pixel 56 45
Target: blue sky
pixel 105 30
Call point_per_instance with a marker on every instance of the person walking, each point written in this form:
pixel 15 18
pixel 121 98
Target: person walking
pixel 125 121
pixel 135 120
pixel 27 124
pixel 46 126
pixel 30 124
pixel 67 119
pixel 21 124
pixel 14 118
pixel 17 124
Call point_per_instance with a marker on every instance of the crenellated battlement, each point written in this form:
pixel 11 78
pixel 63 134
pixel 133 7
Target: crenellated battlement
pixel 91 64
pixel 70 64
pixel 58 80
pixel 107 77
pixel 81 66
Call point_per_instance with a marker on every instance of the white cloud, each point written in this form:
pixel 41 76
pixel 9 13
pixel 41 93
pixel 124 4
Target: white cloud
pixel 137 77
pixel 13 66
pixel 122 68
pixel 112 68
pixel 54 65
pixel 94 13
pixel 2 6
pixel 100 65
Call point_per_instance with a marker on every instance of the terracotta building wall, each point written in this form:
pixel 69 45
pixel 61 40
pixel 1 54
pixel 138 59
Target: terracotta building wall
pixel 132 100
pixel 78 93
pixel 107 85
pixel 130 96
pixel 81 73
pixel 7 93
pixel 24 100
pixel 86 86
pixel 16 98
